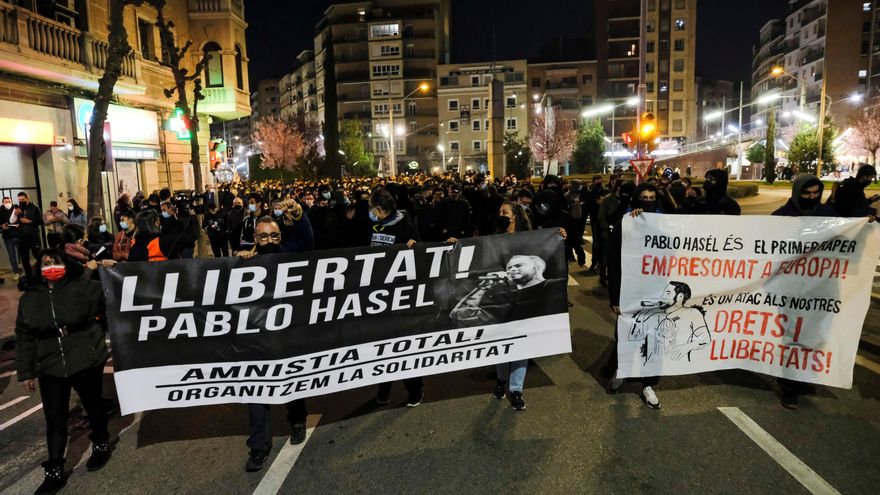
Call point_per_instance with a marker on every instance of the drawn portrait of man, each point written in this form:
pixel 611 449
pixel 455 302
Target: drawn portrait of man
pixel 669 328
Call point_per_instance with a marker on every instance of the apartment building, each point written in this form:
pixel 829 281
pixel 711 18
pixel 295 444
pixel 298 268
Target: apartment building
pixel 371 58
pixel 669 62
pixel 463 102
pixel 266 100
pixel 572 86
pixel 299 91
pixel 52 54
pixel 819 42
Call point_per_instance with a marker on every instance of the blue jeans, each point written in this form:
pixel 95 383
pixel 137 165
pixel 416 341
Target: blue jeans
pixel 12 251
pixel 514 372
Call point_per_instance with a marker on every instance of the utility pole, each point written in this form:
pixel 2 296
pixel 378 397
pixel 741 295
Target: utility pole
pixel 613 115
pixel 643 35
pixel 821 132
pixel 739 132
pixel 392 165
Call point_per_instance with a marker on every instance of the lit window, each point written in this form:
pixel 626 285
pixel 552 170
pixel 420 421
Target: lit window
pixel 679 24
pixel 863 74
pixel 866 7
pixel 383 30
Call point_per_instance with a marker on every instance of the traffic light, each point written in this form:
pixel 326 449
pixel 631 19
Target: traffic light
pixel 648 131
pixel 628 139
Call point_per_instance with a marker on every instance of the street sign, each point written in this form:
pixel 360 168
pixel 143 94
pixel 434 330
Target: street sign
pixel 641 165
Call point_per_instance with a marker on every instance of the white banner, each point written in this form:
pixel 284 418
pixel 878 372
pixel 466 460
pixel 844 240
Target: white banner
pixel 283 380
pixel 782 296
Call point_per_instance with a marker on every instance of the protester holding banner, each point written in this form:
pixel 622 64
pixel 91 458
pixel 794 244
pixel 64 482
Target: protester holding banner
pixel 60 345
pixel 850 199
pixel 267 235
pixel 645 201
pixel 391 226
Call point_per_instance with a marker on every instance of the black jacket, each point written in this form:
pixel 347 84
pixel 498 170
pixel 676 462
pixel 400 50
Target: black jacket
pixel 30 231
pixel 395 229
pixel 60 331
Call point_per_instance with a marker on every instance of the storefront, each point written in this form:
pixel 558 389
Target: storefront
pixel 35 145
pixel 133 136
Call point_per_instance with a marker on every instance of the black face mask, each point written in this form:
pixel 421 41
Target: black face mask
pixel 237 207
pixel 648 206
pixel 808 203
pixel 22 204
pixel 502 223
pixel 710 188
pixel 268 248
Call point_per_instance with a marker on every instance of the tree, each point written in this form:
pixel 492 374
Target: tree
pixel 588 155
pixel 117 51
pixel 281 143
pixel 552 137
pixel 354 157
pixel 172 58
pixel 756 153
pixel 770 149
pixel 804 149
pixel 518 156
pixel 866 124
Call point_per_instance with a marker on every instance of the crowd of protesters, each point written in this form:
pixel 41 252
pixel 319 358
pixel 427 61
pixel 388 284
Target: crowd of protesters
pixel 246 219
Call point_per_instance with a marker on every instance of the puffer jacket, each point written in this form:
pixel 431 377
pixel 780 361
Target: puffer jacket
pixel 60 331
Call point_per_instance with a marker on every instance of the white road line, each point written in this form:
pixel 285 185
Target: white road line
pixel 7 373
pixel 21 416
pixel 283 463
pixel 588 238
pixel 572 281
pixel 867 363
pixel 795 467
pixel 14 402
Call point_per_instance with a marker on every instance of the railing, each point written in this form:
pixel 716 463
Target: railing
pixel 8 25
pixel 234 6
pixel 218 96
pixel 205 5
pixel 101 50
pixel 55 39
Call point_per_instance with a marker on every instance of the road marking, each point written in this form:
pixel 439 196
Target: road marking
pixel 14 402
pixel 867 363
pixel 572 281
pixel 795 467
pixel 283 463
pixel 7 373
pixel 21 416
pixel 588 238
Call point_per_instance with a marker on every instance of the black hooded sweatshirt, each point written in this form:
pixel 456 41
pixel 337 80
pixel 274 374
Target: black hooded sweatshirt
pixel 715 201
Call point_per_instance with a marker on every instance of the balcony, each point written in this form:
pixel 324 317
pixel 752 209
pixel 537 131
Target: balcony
pixel 225 103
pixel 207 9
pixel 38 47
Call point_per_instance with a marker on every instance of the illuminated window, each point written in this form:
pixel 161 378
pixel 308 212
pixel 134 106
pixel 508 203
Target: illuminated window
pixel 214 68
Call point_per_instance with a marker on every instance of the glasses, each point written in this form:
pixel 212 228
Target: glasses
pixel 275 236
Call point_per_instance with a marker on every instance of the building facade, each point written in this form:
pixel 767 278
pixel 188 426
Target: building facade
pixel 463 103
pixel 370 60
pixel 51 57
pixel 819 42
pixel 670 58
pixel 299 90
pixel 572 86
pixel 714 95
pixel 266 101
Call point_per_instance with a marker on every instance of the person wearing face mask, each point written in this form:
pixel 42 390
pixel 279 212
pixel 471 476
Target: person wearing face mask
pixel 234 219
pixel 9 230
pixel 645 201
pixel 850 199
pixel 29 219
pixel 75 214
pixel 100 240
pixel 60 345
pixel 805 201
pixel 715 201
pixel 296 228
pixel 611 210
pixel 249 221
pixel 453 215
pixel 124 239
pixel 391 226
pixel 54 219
pixel 214 224
pixel 268 240
pixel 150 243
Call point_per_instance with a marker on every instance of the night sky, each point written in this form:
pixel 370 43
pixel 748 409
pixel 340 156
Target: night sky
pixel 279 30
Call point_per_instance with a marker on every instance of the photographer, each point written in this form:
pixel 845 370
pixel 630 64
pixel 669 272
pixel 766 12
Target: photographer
pixel 215 226
pixel 178 222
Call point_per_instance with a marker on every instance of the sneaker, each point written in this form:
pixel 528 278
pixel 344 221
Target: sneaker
pixel 415 400
pixel 650 398
pixel 789 399
pixel 54 480
pixel 15 276
pixel 517 400
pixel 615 385
pixel 256 459
pixel 500 388
pixel 383 398
pixel 298 434
pixel 100 455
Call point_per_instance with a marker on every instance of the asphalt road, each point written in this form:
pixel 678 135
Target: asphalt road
pixel 722 432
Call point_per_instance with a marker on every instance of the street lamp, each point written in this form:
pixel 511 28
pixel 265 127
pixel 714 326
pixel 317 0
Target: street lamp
pixel 778 71
pixel 610 108
pixel 392 159
pixel 442 150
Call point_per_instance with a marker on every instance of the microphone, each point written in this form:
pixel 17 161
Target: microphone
pixel 651 304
